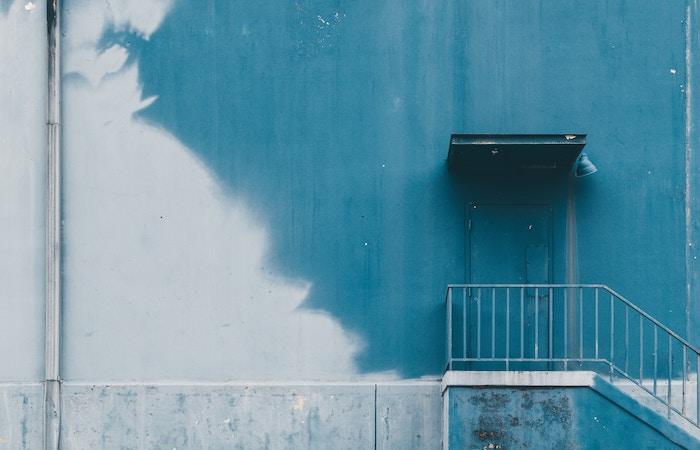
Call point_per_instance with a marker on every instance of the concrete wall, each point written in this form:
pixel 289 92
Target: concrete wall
pixel 566 418
pixel 218 416
pixel 21 417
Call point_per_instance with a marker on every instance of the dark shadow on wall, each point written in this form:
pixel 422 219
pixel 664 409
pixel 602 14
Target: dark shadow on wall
pixel 331 120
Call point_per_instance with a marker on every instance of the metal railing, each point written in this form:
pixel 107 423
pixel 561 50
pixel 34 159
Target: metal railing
pixel 571 327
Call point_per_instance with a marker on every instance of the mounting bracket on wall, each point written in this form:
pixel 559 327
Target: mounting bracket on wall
pixel 514 153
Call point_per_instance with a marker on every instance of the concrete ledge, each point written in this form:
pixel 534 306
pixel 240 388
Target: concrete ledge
pixel 456 378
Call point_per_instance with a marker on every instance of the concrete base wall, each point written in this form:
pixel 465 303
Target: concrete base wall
pixel 229 416
pixel 575 411
pixel 21 415
pixel 565 418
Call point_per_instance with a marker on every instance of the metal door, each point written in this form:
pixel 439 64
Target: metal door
pixel 509 244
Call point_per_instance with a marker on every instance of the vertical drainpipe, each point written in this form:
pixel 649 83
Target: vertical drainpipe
pixel 52 383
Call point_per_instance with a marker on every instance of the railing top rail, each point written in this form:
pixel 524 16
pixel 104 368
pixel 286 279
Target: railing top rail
pixel 654 321
pixel 585 286
pixel 522 285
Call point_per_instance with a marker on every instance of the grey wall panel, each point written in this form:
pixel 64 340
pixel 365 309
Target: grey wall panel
pixel 22 188
pixel 21 418
pixel 235 416
pixel 409 416
pixel 274 416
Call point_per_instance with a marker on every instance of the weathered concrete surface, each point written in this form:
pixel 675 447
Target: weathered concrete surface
pixel 510 418
pixel 622 394
pixel 565 418
pixel 408 416
pixel 313 416
pixel 321 416
pixel 21 415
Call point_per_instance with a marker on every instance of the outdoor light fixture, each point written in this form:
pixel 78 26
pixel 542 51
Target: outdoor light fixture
pixel 584 166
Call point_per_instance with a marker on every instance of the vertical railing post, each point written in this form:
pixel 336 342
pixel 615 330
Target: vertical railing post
pixel 656 355
pixel 566 329
pixel 464 323
pixel 670 374
pixel 612 336
pixel 596 324
pixel 580 326
pixel 449 328
pixel 685 375
pixel 627 340
pixel 493 323
pixel 478 323
pixel 522 323
pixel 537 323
pixel 641 351
pixel 550 324
pixel 507 329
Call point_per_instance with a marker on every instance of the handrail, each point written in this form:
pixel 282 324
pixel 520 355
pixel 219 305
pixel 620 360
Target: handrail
pixel 573 327
pixel 576 286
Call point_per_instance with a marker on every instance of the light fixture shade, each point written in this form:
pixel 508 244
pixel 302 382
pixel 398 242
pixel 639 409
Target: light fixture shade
pixel 584 166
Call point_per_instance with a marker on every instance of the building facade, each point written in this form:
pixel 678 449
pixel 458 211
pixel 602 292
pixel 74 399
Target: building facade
pixel 258 224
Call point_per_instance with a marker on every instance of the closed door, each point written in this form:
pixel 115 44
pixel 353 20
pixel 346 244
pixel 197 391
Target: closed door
pixel 509 244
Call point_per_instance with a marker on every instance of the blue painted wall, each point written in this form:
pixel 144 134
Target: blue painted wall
pixel 332 120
